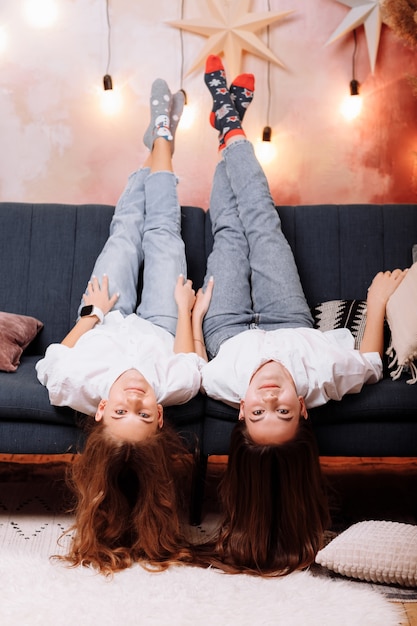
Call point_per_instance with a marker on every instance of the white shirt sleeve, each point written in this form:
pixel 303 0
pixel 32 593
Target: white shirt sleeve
pixel 61 372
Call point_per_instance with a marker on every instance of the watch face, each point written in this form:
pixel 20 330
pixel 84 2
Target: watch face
pixel 86 310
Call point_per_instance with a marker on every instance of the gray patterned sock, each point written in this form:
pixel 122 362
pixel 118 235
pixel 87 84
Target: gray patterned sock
pixel 160 104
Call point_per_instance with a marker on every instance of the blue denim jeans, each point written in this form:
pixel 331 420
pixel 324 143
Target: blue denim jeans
pixel 145 229
pixel 256 281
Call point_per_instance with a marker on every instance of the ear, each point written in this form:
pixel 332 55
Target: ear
pixel 160 415
pixel 242 410
pixel 100 410
pixel 303 408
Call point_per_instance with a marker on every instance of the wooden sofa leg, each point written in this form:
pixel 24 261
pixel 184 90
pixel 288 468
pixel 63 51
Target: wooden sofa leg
pixel 197 487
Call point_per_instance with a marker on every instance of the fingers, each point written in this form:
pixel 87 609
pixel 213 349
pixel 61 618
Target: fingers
pixel 93 285
pixel 114 299
pixel 210 285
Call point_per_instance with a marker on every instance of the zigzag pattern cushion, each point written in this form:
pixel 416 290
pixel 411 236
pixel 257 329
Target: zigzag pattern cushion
pixel 350 314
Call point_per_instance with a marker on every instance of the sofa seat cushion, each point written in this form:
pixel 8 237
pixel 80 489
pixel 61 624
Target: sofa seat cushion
pixel 386 401
pixel 23 398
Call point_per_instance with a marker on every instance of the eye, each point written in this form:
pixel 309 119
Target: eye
pixel 119 412
pixel 144 415
pixel 257 412
pixel 283 411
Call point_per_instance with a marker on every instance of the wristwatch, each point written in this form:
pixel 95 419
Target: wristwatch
pixel 89 310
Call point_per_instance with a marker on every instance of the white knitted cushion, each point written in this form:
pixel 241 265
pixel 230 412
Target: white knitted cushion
pixel 375 551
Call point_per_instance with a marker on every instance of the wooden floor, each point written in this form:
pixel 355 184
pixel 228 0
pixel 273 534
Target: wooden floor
pixel 360 489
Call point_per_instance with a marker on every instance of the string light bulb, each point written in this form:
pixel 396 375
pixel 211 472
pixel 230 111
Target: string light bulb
pixel 352 104
pixel 266 150
pixel 107 82
pixel 266 133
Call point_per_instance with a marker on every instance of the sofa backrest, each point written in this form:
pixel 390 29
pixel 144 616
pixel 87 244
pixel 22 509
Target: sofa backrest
pixel 47 253
pixel 339 248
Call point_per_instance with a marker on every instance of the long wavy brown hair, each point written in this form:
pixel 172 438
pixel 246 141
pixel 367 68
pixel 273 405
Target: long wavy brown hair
pixel 128 502
pixel 274 506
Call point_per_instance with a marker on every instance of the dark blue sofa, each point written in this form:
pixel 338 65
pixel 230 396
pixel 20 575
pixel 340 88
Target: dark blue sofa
pixel 47 252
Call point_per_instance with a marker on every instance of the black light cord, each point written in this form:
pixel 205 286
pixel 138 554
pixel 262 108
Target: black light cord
pixel 354 85
pixel 107 80
pixel 267 132
pixel 182 55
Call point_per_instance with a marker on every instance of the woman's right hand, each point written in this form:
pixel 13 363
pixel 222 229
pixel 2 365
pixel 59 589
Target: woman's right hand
pixel 202 301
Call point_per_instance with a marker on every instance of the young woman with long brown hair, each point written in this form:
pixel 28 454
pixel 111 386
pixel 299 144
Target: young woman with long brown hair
pixel 267 360
pixel 121 364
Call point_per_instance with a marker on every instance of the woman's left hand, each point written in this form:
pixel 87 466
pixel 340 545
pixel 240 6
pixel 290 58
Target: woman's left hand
pixel 99 295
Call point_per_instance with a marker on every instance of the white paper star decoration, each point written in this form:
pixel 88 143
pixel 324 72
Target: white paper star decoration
pixel 231 29
pixel 368 13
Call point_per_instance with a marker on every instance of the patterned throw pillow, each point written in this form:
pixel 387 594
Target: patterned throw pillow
pixel 402 320
pixel 350 314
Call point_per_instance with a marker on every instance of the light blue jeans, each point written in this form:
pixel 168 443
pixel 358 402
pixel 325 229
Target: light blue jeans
pixel 145 229
pixel 256 281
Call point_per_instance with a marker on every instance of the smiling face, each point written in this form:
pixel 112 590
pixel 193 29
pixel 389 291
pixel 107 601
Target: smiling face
pixel 131 412
pixel 271 407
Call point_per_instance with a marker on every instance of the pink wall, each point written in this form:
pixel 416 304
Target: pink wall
pixel 57 145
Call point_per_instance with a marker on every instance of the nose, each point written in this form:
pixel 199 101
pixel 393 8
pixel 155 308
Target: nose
pixel 271 398
pixel 135 400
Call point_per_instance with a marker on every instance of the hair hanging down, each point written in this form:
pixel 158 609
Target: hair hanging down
pixel 127 502
pixel 274 506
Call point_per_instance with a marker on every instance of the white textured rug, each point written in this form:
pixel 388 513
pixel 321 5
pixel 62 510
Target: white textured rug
pixel 35 590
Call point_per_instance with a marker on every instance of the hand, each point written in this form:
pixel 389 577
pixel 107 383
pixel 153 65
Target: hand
pixel 202 301
pixel 99 296
pixel 383 286
pixel 184 295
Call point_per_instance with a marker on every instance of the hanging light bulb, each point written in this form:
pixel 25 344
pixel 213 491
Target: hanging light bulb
pixel 107 82
pixel 352 104
pixel 265 149
pixel 189 113
pixel 266 133
pixel 111 101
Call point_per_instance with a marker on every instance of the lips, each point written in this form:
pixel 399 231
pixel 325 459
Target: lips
pixel 135 389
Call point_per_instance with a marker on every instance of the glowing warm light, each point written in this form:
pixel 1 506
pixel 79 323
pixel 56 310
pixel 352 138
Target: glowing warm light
pixel 351 107
pixel 41 13
pixel 111 101
pixel 265 151
pixel 3 39
pixel 188 116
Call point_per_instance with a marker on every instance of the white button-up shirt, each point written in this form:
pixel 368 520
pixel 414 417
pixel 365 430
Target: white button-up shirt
pixel 324 365
pixel 81 376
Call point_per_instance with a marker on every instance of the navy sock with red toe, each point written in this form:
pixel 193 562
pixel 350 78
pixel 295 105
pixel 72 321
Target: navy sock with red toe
pixel 242 91
pixel 224 116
